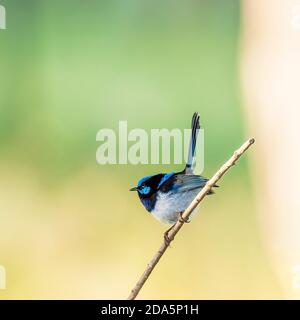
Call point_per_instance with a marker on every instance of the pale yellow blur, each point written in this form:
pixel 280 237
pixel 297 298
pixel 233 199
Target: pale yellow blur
pixel 271 74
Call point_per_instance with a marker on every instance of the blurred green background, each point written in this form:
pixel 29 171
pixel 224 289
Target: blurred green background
pixel 69 227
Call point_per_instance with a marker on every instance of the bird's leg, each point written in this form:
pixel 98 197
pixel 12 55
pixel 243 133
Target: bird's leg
pixel 166 235
pixel 181 219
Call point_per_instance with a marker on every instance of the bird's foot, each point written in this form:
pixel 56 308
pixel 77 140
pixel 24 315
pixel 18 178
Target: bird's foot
pixel 183 220
pixel 166 236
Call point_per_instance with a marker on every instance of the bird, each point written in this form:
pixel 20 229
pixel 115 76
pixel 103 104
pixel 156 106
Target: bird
pixel 167 195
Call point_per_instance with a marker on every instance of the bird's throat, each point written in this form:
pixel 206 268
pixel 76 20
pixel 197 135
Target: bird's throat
pixel 148 202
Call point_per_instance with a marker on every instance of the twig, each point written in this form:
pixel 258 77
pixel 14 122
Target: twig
pixel 172 233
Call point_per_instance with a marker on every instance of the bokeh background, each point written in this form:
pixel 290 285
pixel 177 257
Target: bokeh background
pixel 69 228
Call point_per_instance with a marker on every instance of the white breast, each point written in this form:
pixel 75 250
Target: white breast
pixel 169 205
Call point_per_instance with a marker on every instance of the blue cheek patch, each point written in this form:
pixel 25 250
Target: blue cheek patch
pixel 165 178
pixel 145 190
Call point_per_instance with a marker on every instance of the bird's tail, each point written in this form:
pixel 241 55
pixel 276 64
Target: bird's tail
pixel 195 128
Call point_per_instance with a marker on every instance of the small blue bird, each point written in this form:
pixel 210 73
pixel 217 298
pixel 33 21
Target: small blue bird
pixel 167 195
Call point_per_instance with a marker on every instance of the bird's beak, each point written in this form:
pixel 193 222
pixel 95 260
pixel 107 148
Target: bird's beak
pixel 133 189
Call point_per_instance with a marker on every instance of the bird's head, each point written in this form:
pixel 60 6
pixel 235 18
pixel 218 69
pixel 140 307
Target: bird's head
pixel 150 184
pixel 146 186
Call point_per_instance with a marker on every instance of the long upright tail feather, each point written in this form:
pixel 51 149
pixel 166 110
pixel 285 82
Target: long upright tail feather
pixel 192 145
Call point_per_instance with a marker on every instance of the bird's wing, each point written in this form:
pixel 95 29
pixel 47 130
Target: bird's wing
pixel 182 183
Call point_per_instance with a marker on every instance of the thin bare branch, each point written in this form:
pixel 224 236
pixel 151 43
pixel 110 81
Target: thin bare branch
pixel 172 233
